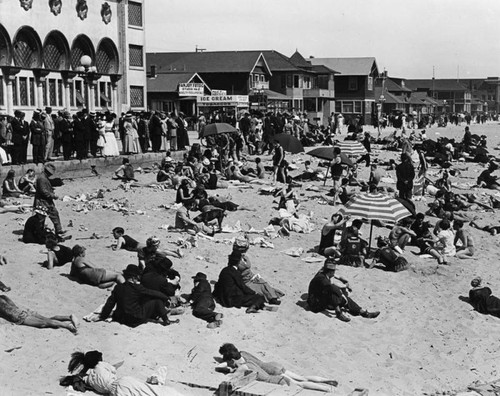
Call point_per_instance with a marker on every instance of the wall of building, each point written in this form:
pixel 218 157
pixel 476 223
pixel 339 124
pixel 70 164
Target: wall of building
pixel 43 21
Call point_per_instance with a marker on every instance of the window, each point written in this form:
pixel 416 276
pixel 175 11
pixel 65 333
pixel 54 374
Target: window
pixel 136 96
pixel 338 107
pixel 52 92
pixel 32 91
pixel 347 107
pixel 1 91
pixel 262 78
pixel 310 104
pixel 296 82
pixel 44 89
pixel 23 91
pixel 134 13
pixel 80 100
pixel 153 71
pixel 283 81
pixel 135 56
pixel 60 93
pixel 289 81
pixel 14 93
pixel 370 84
pixel 307 82
pixel 168 107
pixel 71 95
pixel 352 84
pixel 357 107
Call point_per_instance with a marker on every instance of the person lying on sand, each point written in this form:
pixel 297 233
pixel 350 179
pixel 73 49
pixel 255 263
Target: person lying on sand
pixel 11 312
pixel 482 299
pixel 3 287
pixel 124 241
pixel 272 372
pixel 330 292
pixel 86 272
pixel 101 377
pixel 151 250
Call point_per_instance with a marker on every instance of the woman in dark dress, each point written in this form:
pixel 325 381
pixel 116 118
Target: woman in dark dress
pixel 482 299
pixel 57 255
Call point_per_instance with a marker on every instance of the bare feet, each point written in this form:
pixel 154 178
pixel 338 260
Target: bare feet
pixel 75 322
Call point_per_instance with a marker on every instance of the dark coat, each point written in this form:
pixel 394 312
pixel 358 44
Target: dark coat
pixel 37 133
pixel 230 288
pixel 484 302
pixel 20 131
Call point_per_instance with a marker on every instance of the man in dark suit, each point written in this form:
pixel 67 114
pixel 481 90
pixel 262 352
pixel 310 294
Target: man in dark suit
pixel 155 131
pixel 231 291
pixel 93 133
pixel 79 135
pixel 38 139
pixel 20 137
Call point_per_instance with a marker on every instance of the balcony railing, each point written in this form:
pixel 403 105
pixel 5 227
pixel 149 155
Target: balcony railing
pixel 319 93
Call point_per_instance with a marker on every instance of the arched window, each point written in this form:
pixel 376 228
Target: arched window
pixel 27 48
pixel 5 48
pixel 56 51
pixel 82 45
pixel 107 61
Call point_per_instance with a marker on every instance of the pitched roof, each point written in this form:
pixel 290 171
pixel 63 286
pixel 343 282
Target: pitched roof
pixel 298 60
pixel 322 69
pixel 389 97
pixel 169 82
pixel 436 84
pixel 393 86
pixel 424 98
pixel 217 61
pixel 348 66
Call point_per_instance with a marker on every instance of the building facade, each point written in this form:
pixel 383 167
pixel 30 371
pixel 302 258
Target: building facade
pixel 41 48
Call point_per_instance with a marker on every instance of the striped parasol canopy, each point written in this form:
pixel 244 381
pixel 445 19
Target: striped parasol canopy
pixel 375 206
pixel 351 147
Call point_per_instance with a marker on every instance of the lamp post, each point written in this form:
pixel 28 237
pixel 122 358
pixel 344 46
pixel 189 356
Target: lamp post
pixel 89 75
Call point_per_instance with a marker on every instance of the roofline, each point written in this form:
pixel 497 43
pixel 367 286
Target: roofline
pixel 261 55
pixel 203 81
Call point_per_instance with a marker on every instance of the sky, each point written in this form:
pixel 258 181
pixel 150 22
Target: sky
pixel 408 38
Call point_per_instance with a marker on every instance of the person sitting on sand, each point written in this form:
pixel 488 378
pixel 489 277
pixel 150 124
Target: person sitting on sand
pixel 183 193
pixel 235 361
pixel 231 291
pixel 34 229
pixel 203 303
pixel 353 249
pixel 124 241
pixel 445 245
pixel 401 235
pixel 331 235
pixel 9 186
pixel 11 312
pixel 426 241
pixel 125 172
pixel 135 304
pixel 328 291
pixel 309 173
pixel 388 256
pixel 253 281
pixel 482 299
pixel 466 248
pixel 184 223
pixel 57 255
pixel 486 179
pixel 27 182
pixel 101 377
pixel 85 272
pixel 260 171
pixel 146 253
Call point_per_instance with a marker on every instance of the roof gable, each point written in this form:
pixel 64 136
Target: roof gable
pixel 349 66
pixel 298 60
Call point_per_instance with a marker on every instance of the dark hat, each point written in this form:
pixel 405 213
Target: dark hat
pixel 48 109
pixel 92 114
pixel 199 276
pixel 18 113
pixel 241 244
pixel 330 264
pixel 37 111
pixel 132 271
pixel 162 263
pixel 50 169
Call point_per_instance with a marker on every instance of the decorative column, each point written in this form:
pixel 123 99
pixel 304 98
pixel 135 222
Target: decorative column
pixel 40 78
pixel 91 94
pixel 114 93
pixel 10 77
pixel 67 77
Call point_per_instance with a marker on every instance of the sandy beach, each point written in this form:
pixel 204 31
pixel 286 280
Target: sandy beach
pixel 426 339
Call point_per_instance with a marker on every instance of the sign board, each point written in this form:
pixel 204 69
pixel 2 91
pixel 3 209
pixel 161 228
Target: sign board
pixel 191 89
pixel 219 92
pixel 223 100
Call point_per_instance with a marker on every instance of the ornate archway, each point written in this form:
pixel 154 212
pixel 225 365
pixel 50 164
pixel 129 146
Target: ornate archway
pixel 27 48
pixel 56 54
pixel 82 45
pixel 5 47
pixel 107 59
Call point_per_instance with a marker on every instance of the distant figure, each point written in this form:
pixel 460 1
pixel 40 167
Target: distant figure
pixel 405 173
pixel 125 172
pixel 482 299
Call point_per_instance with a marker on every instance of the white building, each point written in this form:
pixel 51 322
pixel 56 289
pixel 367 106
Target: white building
pixel 42 43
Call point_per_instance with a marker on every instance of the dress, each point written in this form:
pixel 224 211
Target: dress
pixel 484 302
pixel 110 145
pixel 102 378
pixel 257 284
pixel 131 139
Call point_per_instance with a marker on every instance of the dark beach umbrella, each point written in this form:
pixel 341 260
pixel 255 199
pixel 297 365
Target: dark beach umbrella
pixel 327 154
pixel 289 143
pixel 218 128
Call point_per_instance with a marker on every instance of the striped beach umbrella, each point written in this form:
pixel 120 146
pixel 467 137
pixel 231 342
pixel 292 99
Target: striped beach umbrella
pixel 351 147
pixel 375 206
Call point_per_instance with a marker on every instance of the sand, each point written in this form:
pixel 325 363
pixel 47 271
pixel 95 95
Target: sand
pixel 425 340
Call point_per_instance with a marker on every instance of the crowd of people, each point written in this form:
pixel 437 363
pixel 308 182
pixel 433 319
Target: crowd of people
pixel 149 291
